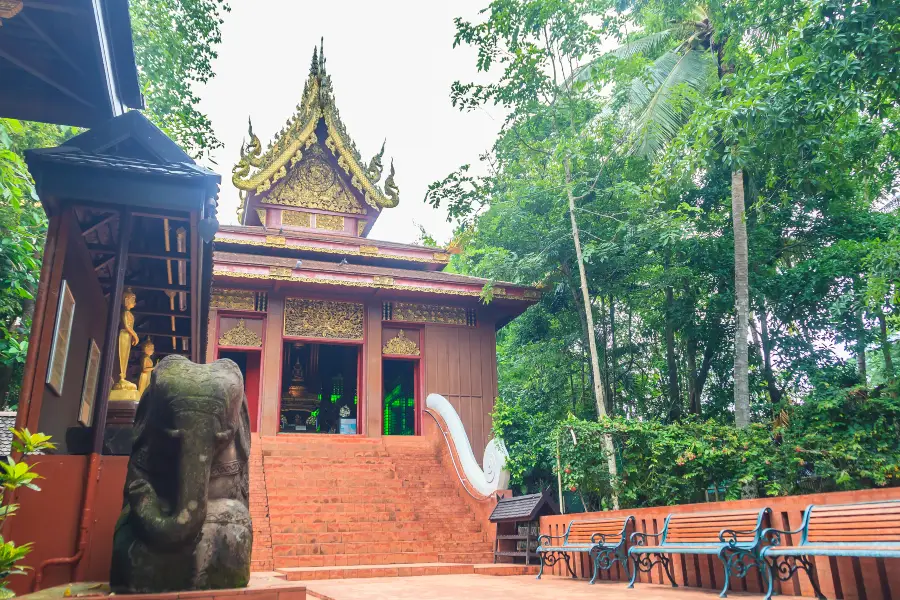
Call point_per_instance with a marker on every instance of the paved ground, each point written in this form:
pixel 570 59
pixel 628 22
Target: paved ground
pixel 477 587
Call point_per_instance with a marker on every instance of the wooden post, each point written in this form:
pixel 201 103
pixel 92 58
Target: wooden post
pixel 112 330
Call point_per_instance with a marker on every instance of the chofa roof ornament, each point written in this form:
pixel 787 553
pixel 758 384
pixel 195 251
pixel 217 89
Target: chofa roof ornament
pixel 257 171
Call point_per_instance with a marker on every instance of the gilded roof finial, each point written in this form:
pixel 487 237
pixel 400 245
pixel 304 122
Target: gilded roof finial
pixel 314 67
pixel 390 188
pixel 322 55
pixel 375 166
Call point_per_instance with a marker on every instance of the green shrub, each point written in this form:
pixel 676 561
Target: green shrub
pixel 14 475
pixel 837 439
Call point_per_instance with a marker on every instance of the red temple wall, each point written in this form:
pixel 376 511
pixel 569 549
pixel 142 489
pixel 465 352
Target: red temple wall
pixel 457 362
pixel 49 518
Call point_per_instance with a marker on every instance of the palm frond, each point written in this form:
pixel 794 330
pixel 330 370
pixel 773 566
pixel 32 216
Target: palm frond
pixel 660 104
pixel 645 45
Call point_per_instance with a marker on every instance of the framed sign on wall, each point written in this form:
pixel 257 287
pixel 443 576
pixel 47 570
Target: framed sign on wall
pixel 89 389
pixel 62 334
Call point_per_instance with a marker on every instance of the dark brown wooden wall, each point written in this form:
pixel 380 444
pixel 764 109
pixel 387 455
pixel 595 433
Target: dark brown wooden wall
pixel 58 413
pixel 460 363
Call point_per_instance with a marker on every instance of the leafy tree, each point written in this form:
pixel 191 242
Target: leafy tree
pixel 174 45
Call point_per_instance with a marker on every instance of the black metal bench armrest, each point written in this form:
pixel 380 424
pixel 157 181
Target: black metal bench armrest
pixel 773 536
pixel 730 536
pixel 598 538
pixel 639 538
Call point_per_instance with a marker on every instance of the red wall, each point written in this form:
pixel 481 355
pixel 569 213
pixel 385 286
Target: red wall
pixel 49 518
pixel 848 578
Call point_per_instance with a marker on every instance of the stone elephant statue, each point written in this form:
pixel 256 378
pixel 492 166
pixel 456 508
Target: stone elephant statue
pixel 185 522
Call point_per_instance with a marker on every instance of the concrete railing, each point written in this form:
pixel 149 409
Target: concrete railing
pixel 485 481
pixel 839 578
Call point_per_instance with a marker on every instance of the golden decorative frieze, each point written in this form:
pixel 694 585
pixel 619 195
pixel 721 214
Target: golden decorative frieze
pixel 401 345
pixel 273 275
pixel 348 251
pixel 325 319
pixel 280 272
pixel 261 213
pixel 239 335
pixel 233 299
pixel 442 257
pixel 428 313
pixel 275 241
pixel 313 183
pixel 533 294
pixel 384 281
pixel 330 222
pixel 368 250
pixel 499 291
pixel 295 218
pixel 360 227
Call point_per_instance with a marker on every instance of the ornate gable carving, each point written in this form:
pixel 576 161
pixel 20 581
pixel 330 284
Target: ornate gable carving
pixel 239 335
pixel 401 345
pixel 314 183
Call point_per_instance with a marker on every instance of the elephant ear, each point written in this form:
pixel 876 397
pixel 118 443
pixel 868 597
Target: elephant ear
pixel 242 438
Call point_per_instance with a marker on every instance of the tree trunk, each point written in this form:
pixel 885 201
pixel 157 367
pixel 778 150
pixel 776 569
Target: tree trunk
pixel 741 303
pixel 691 358
pixel 589 318
pixel 612 355
pixel 671 364
pixel 775 394
pixel 861 348
pixel 885 347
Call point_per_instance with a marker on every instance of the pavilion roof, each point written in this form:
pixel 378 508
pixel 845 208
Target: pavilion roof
pixel 257 171
pixel 254 266
pixel 325 243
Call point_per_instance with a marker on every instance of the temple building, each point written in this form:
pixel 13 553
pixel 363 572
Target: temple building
pixel 337 333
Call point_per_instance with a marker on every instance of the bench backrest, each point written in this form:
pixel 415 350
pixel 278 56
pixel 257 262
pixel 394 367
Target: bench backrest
pixel 865 522
pixel 704 528
pixel 613 530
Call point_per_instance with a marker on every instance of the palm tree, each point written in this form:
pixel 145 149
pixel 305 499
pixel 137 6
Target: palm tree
pixel 658 107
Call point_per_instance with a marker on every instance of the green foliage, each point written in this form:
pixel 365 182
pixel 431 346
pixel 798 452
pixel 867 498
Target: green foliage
pixel 13 475
pixel 174 45
pixel 839 439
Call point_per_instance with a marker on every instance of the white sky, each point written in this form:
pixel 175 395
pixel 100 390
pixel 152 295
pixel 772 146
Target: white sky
pixel 391 64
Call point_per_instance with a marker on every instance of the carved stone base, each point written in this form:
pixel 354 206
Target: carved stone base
pixel 121 412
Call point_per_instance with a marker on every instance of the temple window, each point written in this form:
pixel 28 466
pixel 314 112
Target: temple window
pixel 319 388
pixel 399 394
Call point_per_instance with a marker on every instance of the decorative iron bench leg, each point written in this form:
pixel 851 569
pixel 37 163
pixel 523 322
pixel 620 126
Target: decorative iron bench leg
pixel 784 567
pixel 646 563
pixel 551 558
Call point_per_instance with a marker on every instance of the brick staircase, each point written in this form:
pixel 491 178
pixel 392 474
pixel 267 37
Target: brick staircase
pixel 332 501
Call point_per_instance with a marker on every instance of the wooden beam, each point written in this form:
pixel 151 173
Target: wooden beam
pixel 110 344
pixel 160 255
pixel 162 313
pixel 10 55
pixel 53 7
pixel 163 334
pixel 99 224
pixel 50 42
pixel 104 263
pixel 161 287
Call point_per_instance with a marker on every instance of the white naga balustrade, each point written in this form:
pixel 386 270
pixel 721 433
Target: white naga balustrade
pixel 493 476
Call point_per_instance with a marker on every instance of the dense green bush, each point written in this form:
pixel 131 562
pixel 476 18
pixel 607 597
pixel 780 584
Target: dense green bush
pixel 838 439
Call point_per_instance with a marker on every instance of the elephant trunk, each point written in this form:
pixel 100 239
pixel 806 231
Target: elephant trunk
pixel 161 527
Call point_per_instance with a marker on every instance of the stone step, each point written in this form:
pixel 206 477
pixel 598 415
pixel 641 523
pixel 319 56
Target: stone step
pixel 282 562
pixel 421 546
pixel 403 570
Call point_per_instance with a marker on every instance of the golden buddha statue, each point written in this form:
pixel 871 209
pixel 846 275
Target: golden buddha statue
pixel 298 395
pixel 124 389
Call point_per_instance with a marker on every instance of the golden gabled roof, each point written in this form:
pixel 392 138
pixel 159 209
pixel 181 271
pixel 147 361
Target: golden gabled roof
pixel 299 134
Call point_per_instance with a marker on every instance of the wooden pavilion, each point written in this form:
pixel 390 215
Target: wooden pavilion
pixel 336 332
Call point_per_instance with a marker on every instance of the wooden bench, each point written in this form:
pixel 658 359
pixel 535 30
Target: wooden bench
pixel 601 539
pixel 733 536
pixel 863 530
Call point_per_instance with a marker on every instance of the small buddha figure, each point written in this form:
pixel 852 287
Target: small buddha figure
pixel 146 365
